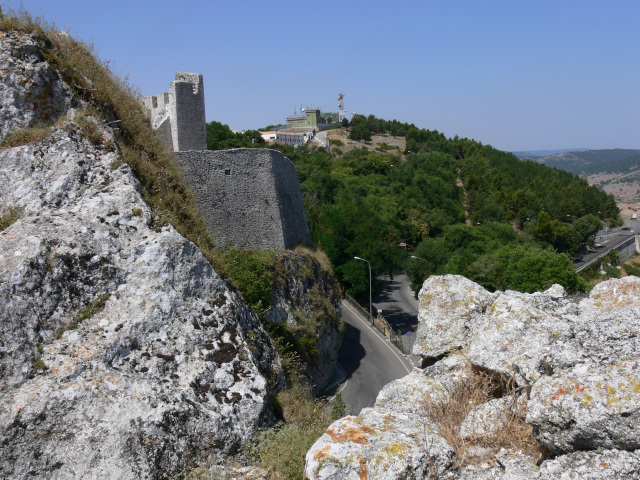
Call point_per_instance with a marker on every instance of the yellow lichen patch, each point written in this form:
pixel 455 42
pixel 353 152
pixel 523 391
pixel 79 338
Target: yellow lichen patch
pixel 321 453
pixel 586 400
pixel 390 454
pixel 619 298
pixel 363 472
pixel 352 434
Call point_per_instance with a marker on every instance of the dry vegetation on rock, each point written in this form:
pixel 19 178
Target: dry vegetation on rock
pixel 507 428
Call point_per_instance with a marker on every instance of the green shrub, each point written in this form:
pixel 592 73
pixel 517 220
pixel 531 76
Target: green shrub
pixel 612 271
pixel 339 408
pixel 9 217
pixel 38 364
pixel 247 270
pixel 614 257
pixel 632 269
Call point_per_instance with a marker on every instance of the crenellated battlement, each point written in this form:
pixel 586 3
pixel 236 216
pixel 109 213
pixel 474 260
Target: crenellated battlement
pixel 179 114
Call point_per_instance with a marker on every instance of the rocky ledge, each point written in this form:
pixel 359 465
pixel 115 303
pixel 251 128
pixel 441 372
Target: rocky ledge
pixel 306 301
pixel 558 381
pixel 122 353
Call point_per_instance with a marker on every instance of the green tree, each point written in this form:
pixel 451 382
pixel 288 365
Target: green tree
pixel 586 227
pixel 530 268
pixel 360 133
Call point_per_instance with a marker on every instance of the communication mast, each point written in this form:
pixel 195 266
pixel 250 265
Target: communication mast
pixel 343 112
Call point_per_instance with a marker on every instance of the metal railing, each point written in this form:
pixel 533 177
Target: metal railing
pixel 380 323
pixel 623 243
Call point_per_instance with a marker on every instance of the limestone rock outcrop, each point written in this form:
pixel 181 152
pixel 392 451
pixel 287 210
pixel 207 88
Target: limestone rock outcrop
pixel 306 298
pixel 122 353
pixel 31 92
pixel 567 367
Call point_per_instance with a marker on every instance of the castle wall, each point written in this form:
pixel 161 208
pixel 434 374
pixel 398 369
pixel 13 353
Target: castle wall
pixel 179 114
pixel 249 198
pixel 188 123
pixel 628 248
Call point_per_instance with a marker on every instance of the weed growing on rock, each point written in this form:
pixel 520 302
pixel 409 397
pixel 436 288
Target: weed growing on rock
pixel 38 365
pixel 248 272
pixel 87 119
pixel 318 254
pixel 9 217
pixel 94 307
pixel 476 387
pixel 25 136
pixel 85 313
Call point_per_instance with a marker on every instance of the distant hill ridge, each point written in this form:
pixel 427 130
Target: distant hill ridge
pixel 591 161
pixel 531 154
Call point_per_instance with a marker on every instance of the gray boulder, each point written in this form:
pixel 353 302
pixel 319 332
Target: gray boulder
pixel 381 444
pixel 572 361
pixel 598 465
pixel 122 353
pixel 516 332
pixel 451 306
pixel 588 408
pixel 31 92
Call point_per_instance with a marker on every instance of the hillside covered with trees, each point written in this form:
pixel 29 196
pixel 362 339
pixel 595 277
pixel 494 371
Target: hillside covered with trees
pixel 465 207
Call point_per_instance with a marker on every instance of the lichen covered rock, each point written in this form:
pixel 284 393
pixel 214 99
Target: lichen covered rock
pixel 569 366
pixel 123 353
pixel 31 92
pixel 588 408
pixel 450 307
pixel 379 444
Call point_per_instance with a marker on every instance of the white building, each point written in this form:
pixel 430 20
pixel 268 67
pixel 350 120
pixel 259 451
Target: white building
pixel 285 138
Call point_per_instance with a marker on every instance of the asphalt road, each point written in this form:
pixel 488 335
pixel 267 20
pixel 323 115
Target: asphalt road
pixel 604 242
pixel 398 305
pixel 367 360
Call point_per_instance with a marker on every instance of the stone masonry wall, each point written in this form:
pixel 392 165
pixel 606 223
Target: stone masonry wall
pixel 179 115
pixel 250 198
pixel 628 248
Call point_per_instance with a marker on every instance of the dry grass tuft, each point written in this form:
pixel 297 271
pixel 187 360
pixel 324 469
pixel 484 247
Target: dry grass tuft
pixel 25 136
pixel 316 253
pixel 114 100
pixel 473 388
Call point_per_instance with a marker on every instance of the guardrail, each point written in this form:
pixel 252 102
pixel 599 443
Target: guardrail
pixel 380 323
pixel 623 243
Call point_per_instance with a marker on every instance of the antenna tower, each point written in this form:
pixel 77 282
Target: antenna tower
pixel 343 112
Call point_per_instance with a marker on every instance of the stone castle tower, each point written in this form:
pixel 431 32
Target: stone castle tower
pixel 178 115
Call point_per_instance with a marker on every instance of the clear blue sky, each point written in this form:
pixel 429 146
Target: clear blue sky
pixel 519 75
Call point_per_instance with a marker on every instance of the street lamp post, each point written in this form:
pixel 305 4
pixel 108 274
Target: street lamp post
pixel 370 307
pixel 424 260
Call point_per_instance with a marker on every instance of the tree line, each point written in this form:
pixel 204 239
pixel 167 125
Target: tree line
pixel 465 207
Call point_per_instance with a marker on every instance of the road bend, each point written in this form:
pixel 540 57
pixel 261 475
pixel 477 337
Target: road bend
pixel 367 362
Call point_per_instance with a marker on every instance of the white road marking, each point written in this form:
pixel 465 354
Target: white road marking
pixel 339 391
